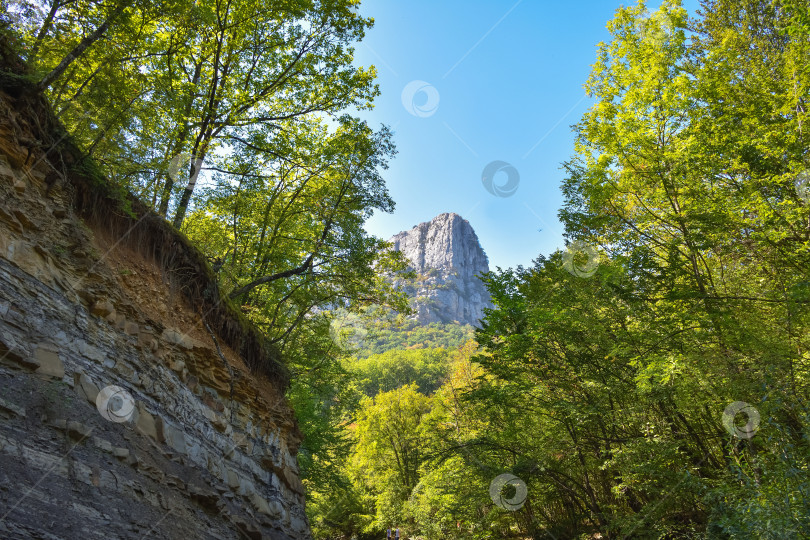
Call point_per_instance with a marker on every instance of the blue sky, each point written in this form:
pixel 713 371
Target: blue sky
pixel 504 84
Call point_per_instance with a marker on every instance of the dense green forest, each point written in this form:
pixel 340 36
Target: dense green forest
pixel 371 332
pixel 649 382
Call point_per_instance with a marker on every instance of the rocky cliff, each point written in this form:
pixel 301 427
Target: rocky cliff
pixel 134 402
pixel 447 257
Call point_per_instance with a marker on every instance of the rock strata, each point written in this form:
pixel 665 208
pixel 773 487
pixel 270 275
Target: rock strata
pixel 118 418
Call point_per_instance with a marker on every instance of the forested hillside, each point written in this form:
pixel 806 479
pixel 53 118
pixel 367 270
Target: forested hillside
pixel 229 119
pixel 649 381
pixel 652 380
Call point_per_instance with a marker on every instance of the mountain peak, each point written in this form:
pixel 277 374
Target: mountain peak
pixel 448 216
pixel 446 254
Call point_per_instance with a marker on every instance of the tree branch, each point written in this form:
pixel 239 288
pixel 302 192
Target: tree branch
pixel 81 47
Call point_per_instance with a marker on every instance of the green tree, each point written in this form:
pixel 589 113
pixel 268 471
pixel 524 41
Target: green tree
pixel 259 228
pixel 395 368
pixel 178 88
pixel 389 451
pixel 684 178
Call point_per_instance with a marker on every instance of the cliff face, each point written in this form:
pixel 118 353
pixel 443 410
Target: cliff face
pixel 447 257
pixel 124 412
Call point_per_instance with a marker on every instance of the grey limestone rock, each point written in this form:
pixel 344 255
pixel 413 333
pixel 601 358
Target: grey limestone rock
pixel 446 255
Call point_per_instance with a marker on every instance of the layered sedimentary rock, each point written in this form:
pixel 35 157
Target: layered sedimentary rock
pixel 124 412
pixel 446 255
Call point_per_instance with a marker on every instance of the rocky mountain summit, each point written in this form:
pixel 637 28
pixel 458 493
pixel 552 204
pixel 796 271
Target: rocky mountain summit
pixel 447 257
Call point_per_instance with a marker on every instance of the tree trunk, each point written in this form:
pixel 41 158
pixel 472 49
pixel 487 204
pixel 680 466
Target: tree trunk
pixel 182 207
pixel 43 31
pixel 81 47
pixel 168 185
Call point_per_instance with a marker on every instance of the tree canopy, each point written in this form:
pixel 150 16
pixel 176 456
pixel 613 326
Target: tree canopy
pixel 649 381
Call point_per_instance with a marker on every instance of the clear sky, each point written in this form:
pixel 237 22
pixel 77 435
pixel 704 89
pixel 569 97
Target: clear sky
pixel 483 81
